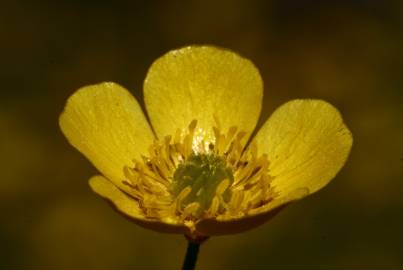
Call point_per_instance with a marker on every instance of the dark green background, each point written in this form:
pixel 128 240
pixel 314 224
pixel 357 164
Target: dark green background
pixel 346 52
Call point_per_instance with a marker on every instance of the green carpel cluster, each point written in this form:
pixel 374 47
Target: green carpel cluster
pixel 203 173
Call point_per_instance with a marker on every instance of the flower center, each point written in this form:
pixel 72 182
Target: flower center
pixel 184 178
pixel 204 175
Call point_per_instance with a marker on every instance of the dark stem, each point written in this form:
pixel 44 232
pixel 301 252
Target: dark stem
pixel 191 255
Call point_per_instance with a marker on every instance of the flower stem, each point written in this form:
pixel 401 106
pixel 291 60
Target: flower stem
pixel 194 242
pixel 191 255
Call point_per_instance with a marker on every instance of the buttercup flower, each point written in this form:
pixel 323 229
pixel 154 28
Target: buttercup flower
pixel 194 169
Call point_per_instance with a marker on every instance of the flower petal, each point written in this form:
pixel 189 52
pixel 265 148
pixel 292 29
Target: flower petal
pixel 203 83
pixel 130 208
pixel 107 125
pixel 307 143
pixel 222 226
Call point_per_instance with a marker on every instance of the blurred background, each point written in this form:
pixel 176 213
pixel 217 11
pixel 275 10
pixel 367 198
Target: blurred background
pixel 346 52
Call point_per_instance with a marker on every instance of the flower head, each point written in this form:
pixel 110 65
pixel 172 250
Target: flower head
pixel 196 171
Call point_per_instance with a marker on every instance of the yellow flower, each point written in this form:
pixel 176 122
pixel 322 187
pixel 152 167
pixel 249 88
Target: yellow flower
pixel 195 170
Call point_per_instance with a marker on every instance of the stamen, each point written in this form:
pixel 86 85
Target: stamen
pixel 222 187
pixel 190 210
pixel 215 204
pixel 182 195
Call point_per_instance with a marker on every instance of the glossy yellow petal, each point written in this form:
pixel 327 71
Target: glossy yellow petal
pixel 202 83
pixel 107 125
pixel 307 143
pixel 129 207
pixel 222 226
